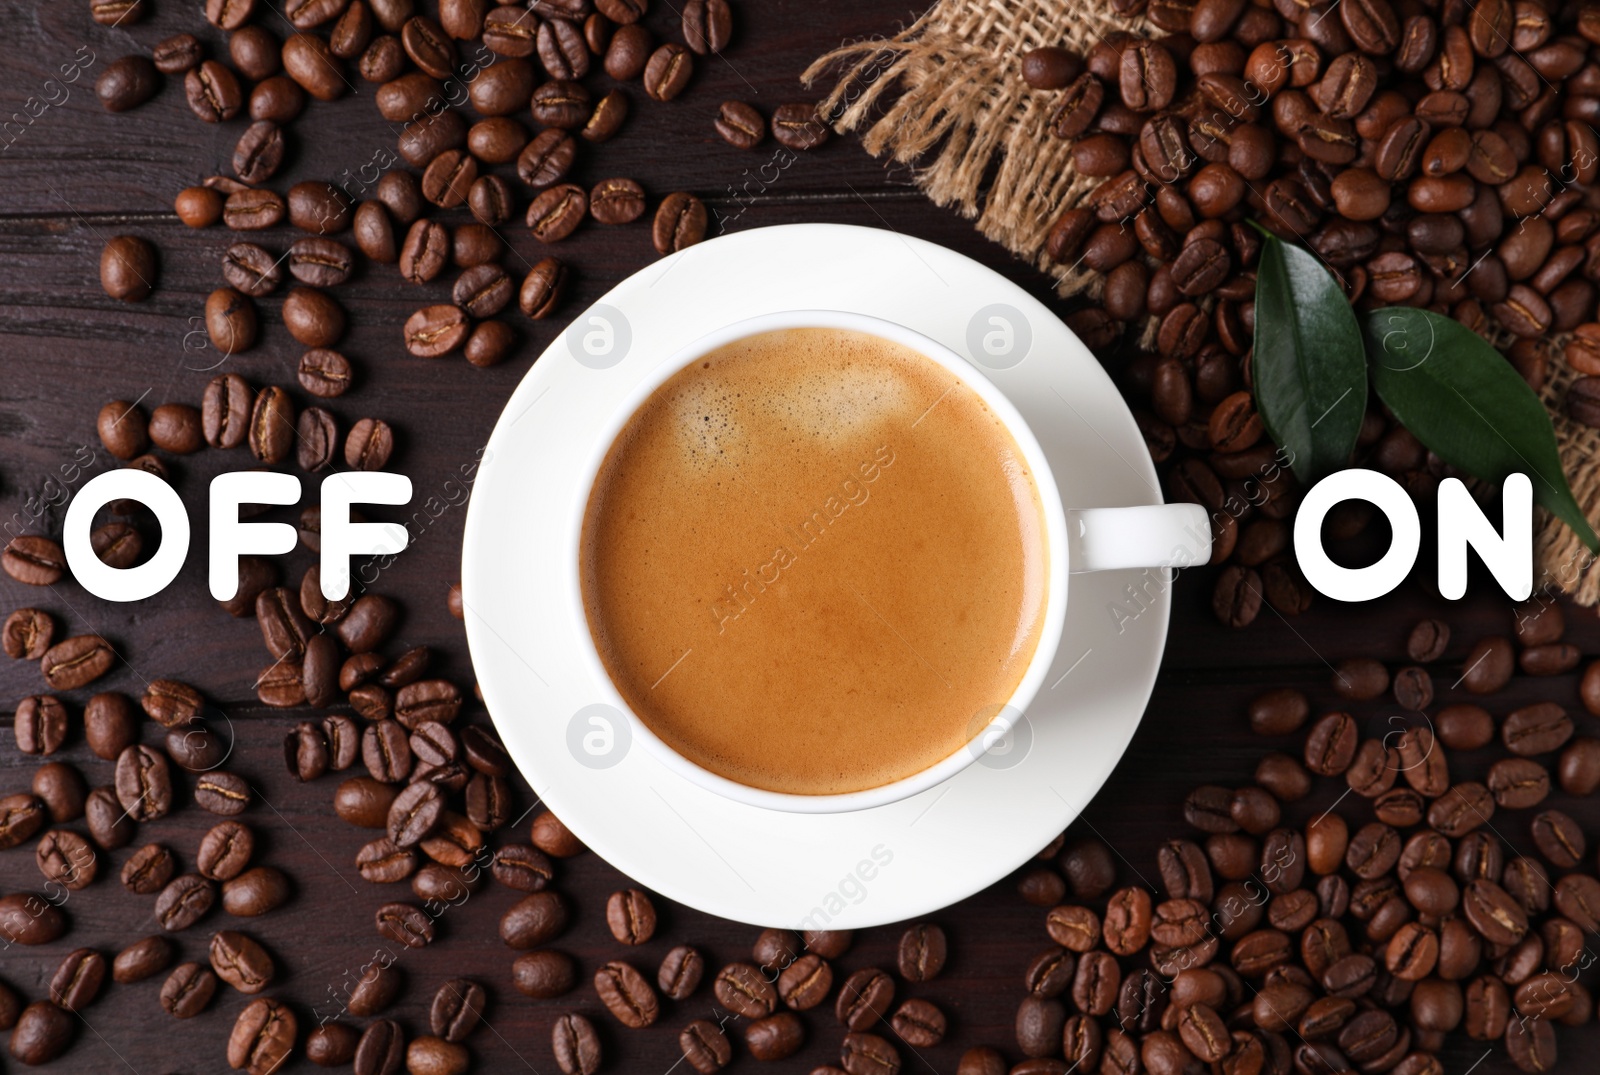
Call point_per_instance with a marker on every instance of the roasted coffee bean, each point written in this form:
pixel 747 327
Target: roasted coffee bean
pixel 542 288
pixel 1489 666
pixel 1558 838
pixel 626 994
pixel 117 544
pixel 544 974
pixel 109 823
pixel 1039 1024
pixel 142 959
pixel 263 1037
pixel 212 91
pixel 319 262
pixel 128 268
pixel 449 177
pixel 222 793
pixel 251 210
pixel 804 983
pixel 176 54
pixel 66 859
pixel 779 1036
pixel 533 921
pixel 171 703
pixel 415 813
pixel 368 446
pixel 188 990
pixel 435 330
pixel 630 916
pixel 707 25
pixel 127 82
pixel 424 252
pixel 740 125
pixel 1049 974
pixel 576 1045
pixel 255 892
pixel 1461 809
pixel 797 126
pixel 175 428
pixel 405 924
pixel 225 851
pixel 381 862
pixel 332 1044
pixel 922 952
pixel 37 561
pixel 1518 783
pixel 40 724
pixel 744 990
pixel 556 213
pixel 705 1046
pixel 184 901
pixel 43 1031
pixel 239 960
pixel 381 1049
pixel 616 201
pixel 431 1055
pixel 1536 729
pixel 483 290
pixel 561 104
pixel 144 783
pixel 1464 727
pixel 864 1054
pixel 123 429
pixel 58 786
pixel 667 72
pixel 681 971
pixel 21 816
pixel 225 411
pixel 312 317
pixel 364 802
pixel 1331 744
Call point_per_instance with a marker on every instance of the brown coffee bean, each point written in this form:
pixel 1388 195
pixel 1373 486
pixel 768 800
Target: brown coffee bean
pixel 142 959
pixel 188 990
pixel 744 990
pixel 533 921
pixel 34 560
pixel 626 994
pixel 1536 729
pixel 864 1054
pixel 576 1045
pixel 43 1032
pixel 705 1046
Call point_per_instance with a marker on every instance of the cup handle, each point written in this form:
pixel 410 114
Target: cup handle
pixel 1157 535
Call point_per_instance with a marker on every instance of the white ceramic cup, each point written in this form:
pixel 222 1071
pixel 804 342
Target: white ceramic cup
pixel 1083 539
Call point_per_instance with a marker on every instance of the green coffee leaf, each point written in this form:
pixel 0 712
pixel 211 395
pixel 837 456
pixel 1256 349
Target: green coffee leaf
pixel 1309 372
pixel 1461 398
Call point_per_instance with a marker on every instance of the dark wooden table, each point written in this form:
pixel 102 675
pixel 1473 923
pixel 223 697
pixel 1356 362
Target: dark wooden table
pixel 76 175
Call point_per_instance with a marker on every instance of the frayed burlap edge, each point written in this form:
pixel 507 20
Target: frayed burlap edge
pixel 950 85
pixel 1562 562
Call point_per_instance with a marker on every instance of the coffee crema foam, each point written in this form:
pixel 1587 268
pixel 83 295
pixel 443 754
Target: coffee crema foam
pixel 812 559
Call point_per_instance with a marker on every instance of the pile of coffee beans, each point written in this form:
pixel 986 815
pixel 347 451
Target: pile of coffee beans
pixel 148 785
pixel 1439 155
pixel 1454 902
pixel 461 84
pixel 432 73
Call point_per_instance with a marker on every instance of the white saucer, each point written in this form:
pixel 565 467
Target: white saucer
pixel 839 871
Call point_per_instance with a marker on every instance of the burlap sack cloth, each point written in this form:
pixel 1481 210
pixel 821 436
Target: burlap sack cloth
pixel 946 96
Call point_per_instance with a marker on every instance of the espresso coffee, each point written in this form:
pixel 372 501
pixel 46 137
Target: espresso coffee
pixel 815 562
